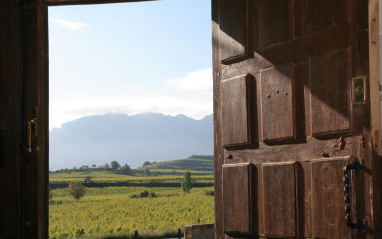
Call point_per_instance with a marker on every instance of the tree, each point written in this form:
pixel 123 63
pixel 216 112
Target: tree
pixel 125 169
pixel 76 189
pixel 88 179
pixel 84 168
pixel 106 166
pixel 147 163
pixel 187 182
pixel 115 165
pixel 147 172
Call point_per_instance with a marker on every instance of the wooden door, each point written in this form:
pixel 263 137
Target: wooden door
pixel 292 110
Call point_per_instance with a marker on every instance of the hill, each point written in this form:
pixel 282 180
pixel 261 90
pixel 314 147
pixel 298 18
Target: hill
pixel 100 139
pixel 194 163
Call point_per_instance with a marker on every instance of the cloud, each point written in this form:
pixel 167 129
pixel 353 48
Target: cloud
pixel 200 80
pixel 76 108
pixel 76 26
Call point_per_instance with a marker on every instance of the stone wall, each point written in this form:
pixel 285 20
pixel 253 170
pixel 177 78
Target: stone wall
pixel 199 231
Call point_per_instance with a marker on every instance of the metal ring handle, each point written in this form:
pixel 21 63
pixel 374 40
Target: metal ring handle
pixel 360 225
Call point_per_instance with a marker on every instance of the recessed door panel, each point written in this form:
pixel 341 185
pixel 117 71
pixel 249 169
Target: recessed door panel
pixel 327 13
pixel 328 208
pixel 329 84
pixel 277 108
pixel 279 198
pixel 239 185
pixel 236 96
pixel 275 21
pixel 233 26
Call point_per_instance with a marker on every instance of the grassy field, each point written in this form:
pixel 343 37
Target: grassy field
pixel 105 176
pixel 119 211
pixel 196 163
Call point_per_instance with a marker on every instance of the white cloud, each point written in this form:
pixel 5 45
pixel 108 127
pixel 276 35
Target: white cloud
pixel 76 26
pixel 68 110
pixel 200 80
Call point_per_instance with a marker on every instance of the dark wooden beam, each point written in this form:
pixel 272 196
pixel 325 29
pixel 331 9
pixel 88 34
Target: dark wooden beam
pixel 86 2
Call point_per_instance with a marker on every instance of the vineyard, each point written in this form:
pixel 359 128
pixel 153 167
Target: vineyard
pixel 111 177
pixel 119 211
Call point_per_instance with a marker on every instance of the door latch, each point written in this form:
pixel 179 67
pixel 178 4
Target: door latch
pixel 360 225
pixel 32 128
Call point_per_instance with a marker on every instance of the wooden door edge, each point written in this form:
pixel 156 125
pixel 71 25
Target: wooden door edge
pixel 375 102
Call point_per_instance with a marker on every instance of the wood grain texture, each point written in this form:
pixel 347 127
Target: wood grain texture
pixel 35 72
pixel 235 96
pixel 239 202
pixel 304 197
pixel 10 121
pixel 279 199
pixel 374 213
pixel 299 50
pixel 329 84
pixel 320 14
pixel 310 150
pixel 300 22
pixel 328 46
pixel 277 103
pixel 327 199
pixel 327 13
pixel 233 25
pixel 275 21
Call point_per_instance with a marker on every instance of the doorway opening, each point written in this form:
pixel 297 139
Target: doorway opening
pixel 130 87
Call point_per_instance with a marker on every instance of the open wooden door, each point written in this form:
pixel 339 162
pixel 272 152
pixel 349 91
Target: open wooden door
pixel 293 144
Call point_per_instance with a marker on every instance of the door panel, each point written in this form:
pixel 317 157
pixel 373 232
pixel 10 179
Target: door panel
pixel 236 95
pixel 301 57
pixel 330 79
pixel 233 24
pixel 327 13
pixel 328 199
pixel 279 193
pixel 277 103
pixel 239 182
pixel 275 21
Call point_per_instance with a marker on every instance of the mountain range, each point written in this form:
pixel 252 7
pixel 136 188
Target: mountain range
pixel 100 139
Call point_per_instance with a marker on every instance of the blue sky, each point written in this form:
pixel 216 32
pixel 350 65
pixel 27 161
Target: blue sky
pixel 130 58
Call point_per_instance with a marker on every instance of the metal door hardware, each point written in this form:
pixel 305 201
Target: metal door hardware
pixel 360 225
pixel 32 128
pixel 342 143
pixel 362 143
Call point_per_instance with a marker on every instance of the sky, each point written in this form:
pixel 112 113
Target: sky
pixel 130 58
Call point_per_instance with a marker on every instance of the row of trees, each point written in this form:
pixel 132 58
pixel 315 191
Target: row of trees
pixel 77 190
pixel 114 166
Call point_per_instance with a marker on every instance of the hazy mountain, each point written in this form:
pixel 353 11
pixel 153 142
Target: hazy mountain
pixel 127 139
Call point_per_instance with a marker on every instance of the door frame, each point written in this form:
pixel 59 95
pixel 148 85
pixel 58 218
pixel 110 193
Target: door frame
pixel 35 67
pixel 375 104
